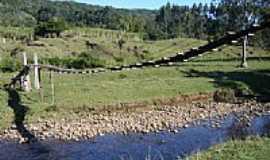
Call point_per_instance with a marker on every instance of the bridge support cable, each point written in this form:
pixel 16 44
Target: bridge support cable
pixel 165 61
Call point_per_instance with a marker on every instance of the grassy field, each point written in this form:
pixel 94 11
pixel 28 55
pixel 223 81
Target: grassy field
pixel 251 149
pixel 73 42
pixel 79 92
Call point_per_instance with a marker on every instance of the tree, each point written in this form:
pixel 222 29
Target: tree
pixel 53 26
pixel 164 18
pixel 153 31
pixel 44 14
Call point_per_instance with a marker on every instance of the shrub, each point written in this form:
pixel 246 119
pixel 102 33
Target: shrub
pixel 84 60
pixel 243 92
pixel 224 95
pixel 122 76
pixel 119 59
pixel 90 61
pixel 9 64
pixel 55 61
pixel 16 51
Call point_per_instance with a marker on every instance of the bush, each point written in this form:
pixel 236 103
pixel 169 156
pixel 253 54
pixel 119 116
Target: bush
pixel 16 51
pixel 56 61
pixel 88 61
pixel 243 92
pixel 9 64
pixel 122 76
pixel 84 60
pixel 224 95
pixel 119 59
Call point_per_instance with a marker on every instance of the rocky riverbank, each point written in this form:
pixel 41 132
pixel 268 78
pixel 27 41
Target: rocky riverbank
pixel 86 125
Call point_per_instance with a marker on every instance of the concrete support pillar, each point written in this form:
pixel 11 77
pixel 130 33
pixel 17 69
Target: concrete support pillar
pixel 36 71
pixel 26 79
pixel 244 53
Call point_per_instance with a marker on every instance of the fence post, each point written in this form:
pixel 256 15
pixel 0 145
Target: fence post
pixel 26 79
pixel 36 71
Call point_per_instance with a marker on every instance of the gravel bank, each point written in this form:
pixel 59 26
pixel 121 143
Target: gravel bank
pixel 83 126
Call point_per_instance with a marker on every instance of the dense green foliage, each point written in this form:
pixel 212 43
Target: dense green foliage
pixel 9 64
pixel 210 21
pixel 82 61
pixel 51 27
pixel 34 11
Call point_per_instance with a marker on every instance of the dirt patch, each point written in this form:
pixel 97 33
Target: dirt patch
pixel 148 105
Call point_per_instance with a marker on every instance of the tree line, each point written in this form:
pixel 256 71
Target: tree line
pixel 210 21
pixel 170 21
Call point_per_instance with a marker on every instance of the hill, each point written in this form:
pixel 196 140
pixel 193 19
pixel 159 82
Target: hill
pixel 29 12
pixel 200 21
pixel 98 43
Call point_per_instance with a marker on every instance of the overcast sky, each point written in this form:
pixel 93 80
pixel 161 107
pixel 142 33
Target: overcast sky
pixel 149 4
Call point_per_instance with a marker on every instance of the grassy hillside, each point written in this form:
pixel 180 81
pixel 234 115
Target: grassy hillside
pixel 253 148
pixel 74 41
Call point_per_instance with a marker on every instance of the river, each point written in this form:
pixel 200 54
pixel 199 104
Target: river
pixel 153 146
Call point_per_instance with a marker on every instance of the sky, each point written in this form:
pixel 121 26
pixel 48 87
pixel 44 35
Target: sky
pixel 148 4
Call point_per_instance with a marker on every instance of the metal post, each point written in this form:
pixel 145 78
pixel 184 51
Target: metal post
pixel 36 70
pixel 244 53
